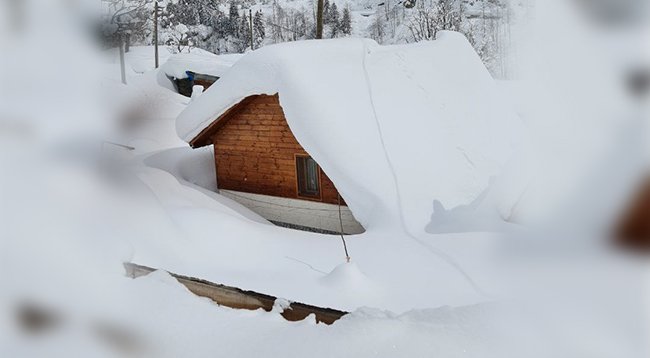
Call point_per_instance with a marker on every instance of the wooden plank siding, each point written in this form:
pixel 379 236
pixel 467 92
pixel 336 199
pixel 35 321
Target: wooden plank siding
pixel 255 152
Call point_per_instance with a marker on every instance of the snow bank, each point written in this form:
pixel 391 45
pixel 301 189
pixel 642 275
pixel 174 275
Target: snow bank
pixel 141 58
pixel 204 62
pixel 395 127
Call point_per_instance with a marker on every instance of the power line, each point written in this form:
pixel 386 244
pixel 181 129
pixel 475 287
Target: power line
pixel 284 28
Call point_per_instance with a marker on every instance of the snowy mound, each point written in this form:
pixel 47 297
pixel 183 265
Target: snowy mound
pixel 395 127
pixel 201 62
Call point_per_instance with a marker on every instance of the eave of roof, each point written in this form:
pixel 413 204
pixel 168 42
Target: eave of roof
pixel 204 138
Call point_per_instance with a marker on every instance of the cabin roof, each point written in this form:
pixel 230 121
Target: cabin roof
pixel 395 127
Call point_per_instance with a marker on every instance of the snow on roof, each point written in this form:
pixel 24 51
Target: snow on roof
pixel 141 58
pixel 399 129
pixel 205 63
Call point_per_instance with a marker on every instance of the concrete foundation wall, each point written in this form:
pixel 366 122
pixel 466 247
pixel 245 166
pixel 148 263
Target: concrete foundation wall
pixel 298 212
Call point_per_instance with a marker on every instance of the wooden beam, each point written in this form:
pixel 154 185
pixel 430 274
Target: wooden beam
pixel 234 297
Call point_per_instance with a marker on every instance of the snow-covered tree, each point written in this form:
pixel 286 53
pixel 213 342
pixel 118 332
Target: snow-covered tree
pixel 326 10
pixel 345 25
pixel 259 31
pixel 126 21
pixel 290 24
pixel 333 20
pixel 377 30
pixel 185 12
pixel 180 39
pixel 234 21
pixel 218 42
pixel 427 21
pixel 328 13
pixel 242 39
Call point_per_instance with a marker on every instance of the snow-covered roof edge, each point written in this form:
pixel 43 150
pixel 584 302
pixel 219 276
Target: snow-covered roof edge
pixel 262 66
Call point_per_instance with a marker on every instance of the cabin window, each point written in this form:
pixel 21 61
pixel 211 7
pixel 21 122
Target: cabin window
pixel 307 172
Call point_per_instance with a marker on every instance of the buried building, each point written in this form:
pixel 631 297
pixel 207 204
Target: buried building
pixel 260 164
pixel 324 134
pixel 198 68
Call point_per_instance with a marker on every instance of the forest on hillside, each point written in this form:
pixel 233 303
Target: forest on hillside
pixel 224 26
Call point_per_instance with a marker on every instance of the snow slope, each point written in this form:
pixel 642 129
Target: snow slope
pixel 397 128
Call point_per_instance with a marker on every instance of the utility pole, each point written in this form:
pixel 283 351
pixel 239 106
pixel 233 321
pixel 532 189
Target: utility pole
pixel 250 18
pixel 155 31
pixel 319 19
pixel 122 64
pixel 127 43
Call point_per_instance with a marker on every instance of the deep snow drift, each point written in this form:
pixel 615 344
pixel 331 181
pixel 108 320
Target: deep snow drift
pixel 396 128
pixel 71 213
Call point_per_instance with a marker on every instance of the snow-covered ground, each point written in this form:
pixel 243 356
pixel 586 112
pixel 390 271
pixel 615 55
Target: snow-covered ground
pixel 71 213
pixel 174 172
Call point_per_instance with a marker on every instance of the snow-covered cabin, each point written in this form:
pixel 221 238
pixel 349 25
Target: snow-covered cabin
pixel 394 130
pixel 261 164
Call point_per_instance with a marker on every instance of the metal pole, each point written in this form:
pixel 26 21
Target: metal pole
pixel 122 64
pixel 155 31
pixel 250 17
pixel 345 246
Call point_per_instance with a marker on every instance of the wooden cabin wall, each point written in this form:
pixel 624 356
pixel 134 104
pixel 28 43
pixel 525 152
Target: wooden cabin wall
pixel 255 152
